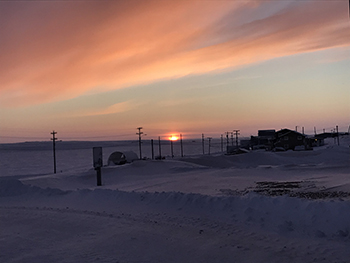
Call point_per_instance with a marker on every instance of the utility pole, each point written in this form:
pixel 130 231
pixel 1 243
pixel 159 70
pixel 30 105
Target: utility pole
pixel 54 150
pixel 236 132
pixel 315 131
pixel 182 149
pixel 222 143
pixel 227 139
pixel 337 133
pixel 160 149
pixel 209 140
pixel 303 130
pixel 98 163
pixel 172 148
pixel 152 149
pixel 139 134
pixel 231 138
pixel 203 142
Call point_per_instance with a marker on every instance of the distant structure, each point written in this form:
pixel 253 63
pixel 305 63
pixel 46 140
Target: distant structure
pixel 264 140
pixel 291 140
pixel 119 158
pixel 282 140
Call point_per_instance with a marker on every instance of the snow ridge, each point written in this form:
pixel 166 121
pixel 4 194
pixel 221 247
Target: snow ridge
pixel 281 214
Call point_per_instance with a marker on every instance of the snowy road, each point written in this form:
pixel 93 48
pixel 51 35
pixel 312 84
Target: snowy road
pixel 37 234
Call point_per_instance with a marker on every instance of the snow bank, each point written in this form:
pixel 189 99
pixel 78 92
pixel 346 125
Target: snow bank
pixel 283 215
pixel 13 187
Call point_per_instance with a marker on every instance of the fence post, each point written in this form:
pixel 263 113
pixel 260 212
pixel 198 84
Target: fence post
pixel 98 162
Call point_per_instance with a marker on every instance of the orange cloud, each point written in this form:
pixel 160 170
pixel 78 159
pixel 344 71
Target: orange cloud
pixel 59 50
pixel 115 108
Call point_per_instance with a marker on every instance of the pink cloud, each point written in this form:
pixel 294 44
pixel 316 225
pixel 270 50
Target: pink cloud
pixel 59 50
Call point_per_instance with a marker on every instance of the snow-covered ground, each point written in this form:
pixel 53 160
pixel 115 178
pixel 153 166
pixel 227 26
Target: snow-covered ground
pixel 255 207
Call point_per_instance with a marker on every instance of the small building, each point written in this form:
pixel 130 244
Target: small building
pixel 291 140
pixel 264 140
pixel 318 139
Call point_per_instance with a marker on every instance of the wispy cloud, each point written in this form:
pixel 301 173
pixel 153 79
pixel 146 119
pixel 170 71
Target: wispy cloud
pixel 58 50
pixel 113 109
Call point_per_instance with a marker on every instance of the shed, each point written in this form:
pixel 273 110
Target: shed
pixel 118 158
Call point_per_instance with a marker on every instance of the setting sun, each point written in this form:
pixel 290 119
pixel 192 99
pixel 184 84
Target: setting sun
pixel 173 138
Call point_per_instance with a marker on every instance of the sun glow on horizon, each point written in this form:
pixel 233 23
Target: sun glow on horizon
pixel 173 138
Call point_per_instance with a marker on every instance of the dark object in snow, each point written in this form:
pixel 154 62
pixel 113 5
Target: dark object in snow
pixel 118 158
pixel 231 150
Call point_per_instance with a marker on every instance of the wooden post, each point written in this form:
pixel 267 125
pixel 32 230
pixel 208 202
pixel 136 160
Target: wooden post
pixel 227 140
pixel 139 134
pixel 182 149
pixel 152 149
pixel 172 149
pixel 160 148
pixel 99 176
pixel 337 133
pixel 209 140
pixel 203 143
pixel 54 150
pixel 98 163
pixel 222 143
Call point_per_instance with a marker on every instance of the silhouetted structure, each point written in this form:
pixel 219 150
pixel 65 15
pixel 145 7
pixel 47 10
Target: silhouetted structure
pixel 283 140
pixel 264 140
pixel 291 140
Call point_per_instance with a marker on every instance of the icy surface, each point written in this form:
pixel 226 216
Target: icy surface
pixel 254 207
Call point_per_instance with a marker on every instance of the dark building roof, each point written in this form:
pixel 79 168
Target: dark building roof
pixel 266 133
pixel 284 132
pixel 325 135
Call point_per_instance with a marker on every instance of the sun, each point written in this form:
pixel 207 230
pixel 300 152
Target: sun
pixel 173 138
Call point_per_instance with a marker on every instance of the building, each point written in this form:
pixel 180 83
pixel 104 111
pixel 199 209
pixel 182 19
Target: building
pixel 264 140
pixel 291 140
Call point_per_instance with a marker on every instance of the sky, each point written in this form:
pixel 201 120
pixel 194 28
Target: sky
pixel 97 70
